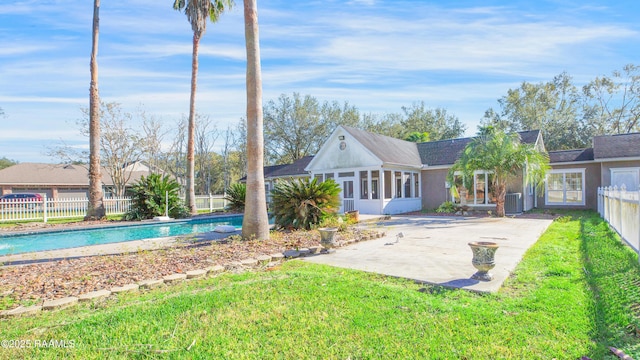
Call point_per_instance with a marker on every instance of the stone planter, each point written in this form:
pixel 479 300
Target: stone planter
pixel 483 259
pixel 327 237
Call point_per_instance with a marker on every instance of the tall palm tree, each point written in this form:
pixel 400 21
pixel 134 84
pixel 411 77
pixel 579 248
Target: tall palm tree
pixel 95 209
pixel 256 222
pixel 505 157
pixel 197 12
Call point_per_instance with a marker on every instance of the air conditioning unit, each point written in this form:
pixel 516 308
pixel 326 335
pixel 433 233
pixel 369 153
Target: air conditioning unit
pixel 513 203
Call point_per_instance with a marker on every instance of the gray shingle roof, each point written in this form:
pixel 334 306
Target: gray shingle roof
pixel 283 170
pixel 295 168
pixel 561 156
pixel 446 152
pixel 386 148
pixel 616 146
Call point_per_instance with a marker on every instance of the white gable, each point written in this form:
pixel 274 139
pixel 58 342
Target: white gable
pixel 342 151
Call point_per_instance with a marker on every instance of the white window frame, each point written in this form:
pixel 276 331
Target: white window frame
pixel 564 187
pixel 475 185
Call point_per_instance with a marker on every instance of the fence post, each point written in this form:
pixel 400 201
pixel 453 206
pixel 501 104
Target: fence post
pixel 44 208
pixel 621 193
pixel 210 203
pixel 224 199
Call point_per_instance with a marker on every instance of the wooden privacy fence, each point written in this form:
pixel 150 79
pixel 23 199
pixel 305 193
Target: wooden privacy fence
pixel 45 209
pixel 621 209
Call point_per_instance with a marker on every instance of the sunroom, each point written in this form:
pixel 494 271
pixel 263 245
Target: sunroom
pixel 377 174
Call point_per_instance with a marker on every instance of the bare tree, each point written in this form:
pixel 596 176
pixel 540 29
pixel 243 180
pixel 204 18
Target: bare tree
pixel 174 159
pixel 226 152
pixel 154 133
pixel 95 209
pixel 206 136
pixel 255 224
pixel 121 146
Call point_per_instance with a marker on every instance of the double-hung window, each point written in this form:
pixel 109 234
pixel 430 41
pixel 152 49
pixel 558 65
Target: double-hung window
pixel 565 187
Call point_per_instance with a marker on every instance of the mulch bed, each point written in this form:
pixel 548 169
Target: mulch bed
pixel 37 282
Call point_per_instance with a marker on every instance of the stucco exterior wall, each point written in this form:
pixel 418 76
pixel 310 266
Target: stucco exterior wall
pixel 433 188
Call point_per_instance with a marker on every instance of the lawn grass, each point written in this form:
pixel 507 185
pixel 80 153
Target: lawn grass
pixel 570 297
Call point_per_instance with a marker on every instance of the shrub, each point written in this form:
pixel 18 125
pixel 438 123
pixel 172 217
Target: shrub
pixel 301 204
pixel 236 194
pixel 150 198
pixel 447 207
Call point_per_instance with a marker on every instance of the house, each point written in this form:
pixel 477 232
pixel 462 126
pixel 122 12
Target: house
pixel 614 160
pixel 383 175
pixel 60 181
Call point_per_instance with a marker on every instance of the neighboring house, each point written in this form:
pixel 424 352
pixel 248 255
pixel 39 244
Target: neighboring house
pixel 59 181
pixel 614 160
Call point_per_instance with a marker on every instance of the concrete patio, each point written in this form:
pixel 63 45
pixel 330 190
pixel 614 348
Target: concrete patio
pixel 435 249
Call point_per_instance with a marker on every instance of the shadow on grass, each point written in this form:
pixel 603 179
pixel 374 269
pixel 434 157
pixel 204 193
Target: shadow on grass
pixel 612 272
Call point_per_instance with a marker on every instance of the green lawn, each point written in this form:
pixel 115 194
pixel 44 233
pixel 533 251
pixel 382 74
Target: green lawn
pixel 571 296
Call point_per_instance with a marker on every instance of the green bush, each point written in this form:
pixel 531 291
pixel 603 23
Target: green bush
pixel 150 196
pixel 301 204
pixel 235 195
pixel 447 207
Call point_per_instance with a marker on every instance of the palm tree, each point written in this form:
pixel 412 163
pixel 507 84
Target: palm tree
pixel 505 157
pixel 197 12
pixel 255 223
pixel 95 210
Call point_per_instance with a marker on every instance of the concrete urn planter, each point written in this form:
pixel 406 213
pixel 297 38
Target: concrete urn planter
pixel 327 237
pixel 483 259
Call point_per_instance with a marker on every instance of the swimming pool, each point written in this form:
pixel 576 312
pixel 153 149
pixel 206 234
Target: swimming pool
pixel 64 239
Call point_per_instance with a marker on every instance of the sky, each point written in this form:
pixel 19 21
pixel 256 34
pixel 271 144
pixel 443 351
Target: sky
pixel 377 55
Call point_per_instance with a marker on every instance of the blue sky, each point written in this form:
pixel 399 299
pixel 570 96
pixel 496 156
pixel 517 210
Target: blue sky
pixel 377 55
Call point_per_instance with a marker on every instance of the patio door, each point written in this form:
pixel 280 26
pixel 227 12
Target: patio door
pixel 348 201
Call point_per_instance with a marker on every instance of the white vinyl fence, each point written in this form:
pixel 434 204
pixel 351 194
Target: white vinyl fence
pixel 621 209
pixel 28 210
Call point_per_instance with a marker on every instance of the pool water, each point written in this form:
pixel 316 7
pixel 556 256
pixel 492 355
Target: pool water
pixel 16 244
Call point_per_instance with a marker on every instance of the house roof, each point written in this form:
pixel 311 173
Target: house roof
pixel 446 152
pixel 295 168
pixel 285 170
pixel 386 148
pixel 616 146
pixel 561 156
pixel 39 174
